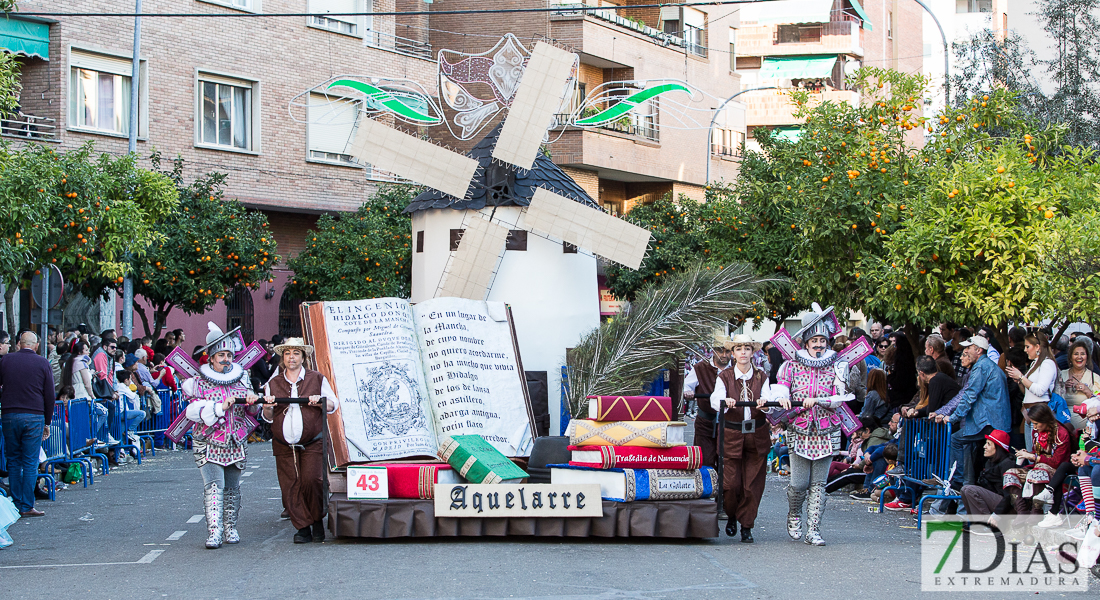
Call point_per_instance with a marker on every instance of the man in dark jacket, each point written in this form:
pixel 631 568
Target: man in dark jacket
pixel 27 407
pixel 987 496
pixel 941 388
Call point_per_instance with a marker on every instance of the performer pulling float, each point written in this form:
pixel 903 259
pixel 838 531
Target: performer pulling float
pixel 746 439
pixel 220 432
pixel 700 383
pixel 296 437
pixel 814 382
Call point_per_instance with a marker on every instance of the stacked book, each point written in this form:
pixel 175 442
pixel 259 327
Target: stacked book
pixel 633 449
pixel 470 459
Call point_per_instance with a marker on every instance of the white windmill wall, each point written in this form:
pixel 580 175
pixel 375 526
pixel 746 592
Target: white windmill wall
pixel 554 295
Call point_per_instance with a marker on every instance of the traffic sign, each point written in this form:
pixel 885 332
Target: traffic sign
pixel 57 288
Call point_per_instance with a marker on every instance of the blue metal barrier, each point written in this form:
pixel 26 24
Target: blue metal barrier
pixel 116 427
pixel 153 427
pixel 926 449
pixel 80 441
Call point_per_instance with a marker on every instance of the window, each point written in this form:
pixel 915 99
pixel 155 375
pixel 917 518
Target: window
pixel 239 313
pixel 890 24
pixel 798 34
pixel 517 240
pixel 973 6
pixel 420 241
pixel 249 5
pixel 331 129
pixel 226 113
pixel 456 237
pixel 339 20
pixel 688 24
pixel 733 49
pixel 695 31
pixel 290 316
pixel 99 93
pixel 729 132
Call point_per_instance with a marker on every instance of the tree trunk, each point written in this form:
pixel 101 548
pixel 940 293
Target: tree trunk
pixel 160 318
pixel 144 319
pixel 913 334
pixel 9 304
pixel 1061 331
pixel 1001 333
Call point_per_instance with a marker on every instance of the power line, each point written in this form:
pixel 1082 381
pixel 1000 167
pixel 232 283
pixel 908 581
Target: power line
pixel 487 11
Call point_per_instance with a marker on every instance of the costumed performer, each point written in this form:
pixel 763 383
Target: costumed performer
pixel 296 432
pixel 699 383
pixel 746 439
pixel 220 432
pixel 814 383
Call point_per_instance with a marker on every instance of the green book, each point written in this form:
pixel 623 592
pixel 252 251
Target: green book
pixel 477 460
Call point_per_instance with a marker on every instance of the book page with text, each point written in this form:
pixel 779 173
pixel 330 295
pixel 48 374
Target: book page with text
pixel 376 363
pixel 473 379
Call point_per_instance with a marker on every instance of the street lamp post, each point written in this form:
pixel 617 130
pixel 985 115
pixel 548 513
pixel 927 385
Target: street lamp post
pixel 710 130
pixel 946 55
pixel 135 72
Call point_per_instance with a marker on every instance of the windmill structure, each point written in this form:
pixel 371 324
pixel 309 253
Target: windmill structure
pixel 507 194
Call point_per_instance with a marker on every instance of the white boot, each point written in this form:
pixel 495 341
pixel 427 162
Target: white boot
pixel 1051 520
pixel 795 499
pixel 232 509
pixel 815 509
pixel 212 503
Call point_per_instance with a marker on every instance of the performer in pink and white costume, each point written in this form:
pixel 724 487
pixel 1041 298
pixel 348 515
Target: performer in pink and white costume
pixel 813 382
pixel 222 425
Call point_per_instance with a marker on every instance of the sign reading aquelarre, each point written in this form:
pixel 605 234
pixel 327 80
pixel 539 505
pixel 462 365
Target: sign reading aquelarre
pixel 518 500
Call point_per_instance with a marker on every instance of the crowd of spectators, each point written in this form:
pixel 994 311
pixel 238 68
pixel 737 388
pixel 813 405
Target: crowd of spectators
pixel 1023 420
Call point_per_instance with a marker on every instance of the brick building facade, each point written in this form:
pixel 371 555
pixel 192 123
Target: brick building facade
pixel 256 66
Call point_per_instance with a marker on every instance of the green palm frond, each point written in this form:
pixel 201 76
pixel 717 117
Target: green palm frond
pixel 664 320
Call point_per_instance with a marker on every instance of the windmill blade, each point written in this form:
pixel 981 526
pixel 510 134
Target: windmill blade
pixel 598 232
pixel 470 271
pixel 404 155
pixel 539 96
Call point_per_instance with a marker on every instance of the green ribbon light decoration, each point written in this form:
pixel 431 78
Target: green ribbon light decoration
pixel 388 101
pixel 630 103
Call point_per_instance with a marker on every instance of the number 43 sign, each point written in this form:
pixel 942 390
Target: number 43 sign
pixel 368 483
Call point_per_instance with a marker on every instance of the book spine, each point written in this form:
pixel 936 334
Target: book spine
pixel 647 434
pixel 666 484
pixel 625 457
pixel 466 464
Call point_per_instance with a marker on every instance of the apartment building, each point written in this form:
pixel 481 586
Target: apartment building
pixel 649 154
pixel 815 44
pixel 216 92
pixel 960 20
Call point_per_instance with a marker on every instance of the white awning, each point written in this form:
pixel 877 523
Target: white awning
pixel 694 18
pixel 787 11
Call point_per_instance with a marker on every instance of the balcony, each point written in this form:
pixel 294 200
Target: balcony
pixel 29 127
pixel 837 37
pixel 643 129
pixel 399 44
pixel 773 109
pixel 571 14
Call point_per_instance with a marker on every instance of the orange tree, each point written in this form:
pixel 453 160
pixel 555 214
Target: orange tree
pixel 969 246
pixel 365 254
pixel 676 242
pixel 82 212
pixel 209 245
pixel 813 208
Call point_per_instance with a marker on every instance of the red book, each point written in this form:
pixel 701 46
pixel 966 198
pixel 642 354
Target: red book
pixel 418 480
pixel 630 408
pixel 635 457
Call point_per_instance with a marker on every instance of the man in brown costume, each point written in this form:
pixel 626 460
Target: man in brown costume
pixel 296 437
pixel 699 383
pixel 746 439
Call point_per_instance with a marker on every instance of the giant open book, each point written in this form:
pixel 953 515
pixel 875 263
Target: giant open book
pixel 408 375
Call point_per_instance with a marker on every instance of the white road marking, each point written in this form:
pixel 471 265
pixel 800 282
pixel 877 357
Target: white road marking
pixel 144 560
pixel 175 536
pixel 195 519
pixel 148 558
pixel 247 473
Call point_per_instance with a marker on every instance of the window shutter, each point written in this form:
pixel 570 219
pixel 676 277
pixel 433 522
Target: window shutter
pixel 331 124
pixel 694 18
pixel 101 62
pixel 336 6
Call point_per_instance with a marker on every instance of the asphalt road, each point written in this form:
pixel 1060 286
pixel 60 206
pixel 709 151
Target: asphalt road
pixel 137 533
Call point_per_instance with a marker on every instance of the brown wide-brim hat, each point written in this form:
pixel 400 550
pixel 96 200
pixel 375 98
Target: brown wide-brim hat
pixel 294 343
